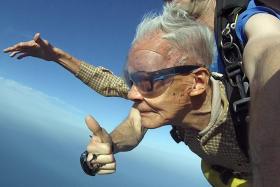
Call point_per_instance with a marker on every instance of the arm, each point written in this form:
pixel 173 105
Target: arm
pixel 102 81
pixel 99 79
pixel 129 133
pixel 103 146
pixel 262 65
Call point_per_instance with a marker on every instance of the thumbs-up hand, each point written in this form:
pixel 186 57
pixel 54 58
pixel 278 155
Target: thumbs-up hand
pixel 100 156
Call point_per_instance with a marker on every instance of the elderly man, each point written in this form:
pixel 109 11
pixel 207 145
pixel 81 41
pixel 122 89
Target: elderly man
pixel 258 26
pixel 261 68
pixel 170 84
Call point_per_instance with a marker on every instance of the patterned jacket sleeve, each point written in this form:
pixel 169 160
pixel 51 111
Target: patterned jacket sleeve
pixel 102 81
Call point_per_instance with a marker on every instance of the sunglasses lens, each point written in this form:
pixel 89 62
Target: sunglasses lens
pixel 142 81
pixel 145 86
pixel 149 87
pixel 160 86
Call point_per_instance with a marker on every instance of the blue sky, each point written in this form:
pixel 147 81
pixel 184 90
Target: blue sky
pixel 43 98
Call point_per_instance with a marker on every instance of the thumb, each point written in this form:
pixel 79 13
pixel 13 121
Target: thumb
pixel 39 40
pixel 98 131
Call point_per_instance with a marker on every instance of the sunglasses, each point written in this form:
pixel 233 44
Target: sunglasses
pixel 151 84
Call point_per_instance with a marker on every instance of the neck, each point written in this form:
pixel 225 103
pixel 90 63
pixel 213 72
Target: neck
pixel 199 117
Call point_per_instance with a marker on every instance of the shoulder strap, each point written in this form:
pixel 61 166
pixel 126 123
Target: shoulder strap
pixel 235 81
pixel 224 10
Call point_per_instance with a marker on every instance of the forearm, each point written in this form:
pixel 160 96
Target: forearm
pixel 264 130
pixel 261 62
pixel 129 133
pixel 99 79
pixel 67 61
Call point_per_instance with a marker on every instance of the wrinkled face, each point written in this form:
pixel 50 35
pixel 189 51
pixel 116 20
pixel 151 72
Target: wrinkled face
pixel 169 100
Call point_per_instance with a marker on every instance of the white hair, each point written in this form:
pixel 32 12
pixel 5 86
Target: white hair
pixel 189 36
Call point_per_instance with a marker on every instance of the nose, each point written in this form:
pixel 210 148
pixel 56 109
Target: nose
pixel 134 94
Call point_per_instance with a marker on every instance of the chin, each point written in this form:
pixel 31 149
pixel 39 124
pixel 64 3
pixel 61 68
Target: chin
pixel 152 122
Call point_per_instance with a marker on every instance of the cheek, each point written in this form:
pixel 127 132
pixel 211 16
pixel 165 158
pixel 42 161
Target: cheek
pixel 175 103
pixel 181 98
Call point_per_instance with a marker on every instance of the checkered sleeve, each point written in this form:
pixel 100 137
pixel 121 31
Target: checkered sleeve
pixel 102 81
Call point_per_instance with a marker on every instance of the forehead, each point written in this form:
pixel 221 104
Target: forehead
pixel 151 54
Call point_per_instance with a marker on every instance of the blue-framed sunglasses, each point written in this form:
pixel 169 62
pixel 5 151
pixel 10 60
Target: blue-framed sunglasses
pixel 154 83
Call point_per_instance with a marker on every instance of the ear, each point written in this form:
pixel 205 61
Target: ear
pixel 201 79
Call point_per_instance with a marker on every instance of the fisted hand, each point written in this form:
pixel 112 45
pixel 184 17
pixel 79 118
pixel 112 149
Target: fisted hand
pixel 100 153
pixel 37 48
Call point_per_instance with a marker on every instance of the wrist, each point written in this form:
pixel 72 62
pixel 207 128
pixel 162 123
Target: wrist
pixel 60 54
pixel 67 61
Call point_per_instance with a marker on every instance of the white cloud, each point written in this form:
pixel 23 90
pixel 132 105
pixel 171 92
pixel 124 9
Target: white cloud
pixel 37 108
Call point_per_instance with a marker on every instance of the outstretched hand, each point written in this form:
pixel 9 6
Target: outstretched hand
pixel 100 148
pixel 36 48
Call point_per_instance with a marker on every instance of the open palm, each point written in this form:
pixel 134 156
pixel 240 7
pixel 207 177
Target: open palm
pixel 37 48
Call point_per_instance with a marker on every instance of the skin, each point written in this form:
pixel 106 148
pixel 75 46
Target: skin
pixel 262 67
pixel 148 56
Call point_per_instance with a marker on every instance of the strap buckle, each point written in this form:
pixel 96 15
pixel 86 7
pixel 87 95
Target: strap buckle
pixel 232 71
pixel 241 105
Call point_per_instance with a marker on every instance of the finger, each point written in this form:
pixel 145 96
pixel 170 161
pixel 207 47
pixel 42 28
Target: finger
pixel 11 49
pixel 40 41
pixel 14 53
pixel 99 148
pixel 22 56
pixel 104 172
pixel 110 166
pixel 95 139
pixel 36 36
pixel 7 50
pixel 89 157
pixel 95 128
pixel 104 159
pixel 20 46
pixel 14 47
